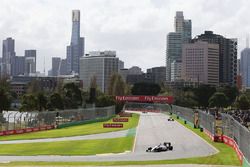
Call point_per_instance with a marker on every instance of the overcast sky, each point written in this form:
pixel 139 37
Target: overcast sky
pixel 135 29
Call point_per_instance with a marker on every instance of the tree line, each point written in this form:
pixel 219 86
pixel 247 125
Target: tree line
pixel 207 96
pixel 71 96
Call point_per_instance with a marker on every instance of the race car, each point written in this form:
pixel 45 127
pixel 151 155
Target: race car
pixel 170 119
pixel 161 147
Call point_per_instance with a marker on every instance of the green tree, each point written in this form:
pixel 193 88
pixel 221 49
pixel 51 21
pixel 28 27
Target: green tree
pixel 55 102
pixel 145 89
pixel 242 102
pixel 203 93
pixel 230 91
pixel 5 100
pixel 185 98
pixel 28 103
pixel 72 96
pixel 104 101
pixel 117 86
pixel 41 101
pixel 5 96
pixel 92 90
pixel 218 100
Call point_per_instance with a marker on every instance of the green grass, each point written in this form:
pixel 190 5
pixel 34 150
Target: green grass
pixel 92 128
pixel 226 156
pixel 82 147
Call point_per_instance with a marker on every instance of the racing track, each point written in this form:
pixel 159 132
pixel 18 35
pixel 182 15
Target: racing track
pixel 153 129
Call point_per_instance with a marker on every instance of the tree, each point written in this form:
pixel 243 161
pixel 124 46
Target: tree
pixel 92 90
pixel 72 96
pixel 104 101
pixel 242 102
pixel 55 102
pixel 117 86
pixel 28 103
pixel 185 98
pixel 34 87
pixel 230 91
pixel 218 100
pixel 145 89
pixel 203 93
pixel 5 97
pixel 5 100
pixel 41 101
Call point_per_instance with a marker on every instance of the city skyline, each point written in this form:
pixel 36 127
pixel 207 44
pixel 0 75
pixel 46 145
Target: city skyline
pixel 111 25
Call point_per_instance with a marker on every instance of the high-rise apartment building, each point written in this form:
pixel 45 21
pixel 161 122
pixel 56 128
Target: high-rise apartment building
pixel 56 61
pixel 120 65
pixel 183 26
pixel 18 65
pixel 200 63
pixel 76 48
pixel 30 62
pixel 245 67
pixel 63 67
pixel 8 54
pixel 176 70
pixel 100 65
pixel 182 34
pixel 157 74
pixel 227 56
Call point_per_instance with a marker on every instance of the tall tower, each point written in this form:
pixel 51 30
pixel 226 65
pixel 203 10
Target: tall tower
pixel 30 62
pixel 76 48
pixel 8 55
pixel 182 34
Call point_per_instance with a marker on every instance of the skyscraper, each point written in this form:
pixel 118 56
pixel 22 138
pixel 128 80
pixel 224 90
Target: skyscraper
pixel 63 67
pixel 183 26
pixel 8 55
pixel 30 62
pixel 174 45
pixel 18 65
pixel 100 65
pixel 0 66
pixel 182 34
pixel 227 56
pixel 200 63
pixel 76 48
pixel 56 61
pixel 245 67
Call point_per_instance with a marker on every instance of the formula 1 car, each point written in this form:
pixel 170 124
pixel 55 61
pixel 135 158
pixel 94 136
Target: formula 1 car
pixel 161 147
pixel 170 119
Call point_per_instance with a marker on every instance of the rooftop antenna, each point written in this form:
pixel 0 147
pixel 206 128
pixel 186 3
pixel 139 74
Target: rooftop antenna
pixel 247 41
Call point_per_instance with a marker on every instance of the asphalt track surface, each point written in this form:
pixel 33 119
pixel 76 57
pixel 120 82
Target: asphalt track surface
pixel 153 129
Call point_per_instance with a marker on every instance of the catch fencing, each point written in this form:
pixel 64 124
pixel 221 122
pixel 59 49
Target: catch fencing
pixel 13 120
pixel 233 133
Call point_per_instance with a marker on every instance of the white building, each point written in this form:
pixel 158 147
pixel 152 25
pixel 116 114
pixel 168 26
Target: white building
pixel 176 70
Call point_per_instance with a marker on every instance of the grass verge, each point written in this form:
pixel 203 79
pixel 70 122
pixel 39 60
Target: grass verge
pixel 92 128
pixel 81 147
pixel 226 156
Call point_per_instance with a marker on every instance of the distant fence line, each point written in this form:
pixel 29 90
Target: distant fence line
pixel 14 120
